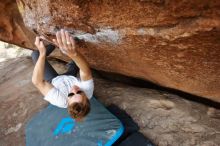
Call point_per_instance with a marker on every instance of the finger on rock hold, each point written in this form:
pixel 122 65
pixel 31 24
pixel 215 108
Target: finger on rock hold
pixel 59 39
pixel 63 37
pixel 68 39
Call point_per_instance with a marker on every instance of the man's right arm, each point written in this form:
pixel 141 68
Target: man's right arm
pixel 67 46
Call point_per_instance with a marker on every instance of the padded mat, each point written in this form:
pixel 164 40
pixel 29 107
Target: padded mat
pixel 54 127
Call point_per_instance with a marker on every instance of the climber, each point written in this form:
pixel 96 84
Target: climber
pixel 65 90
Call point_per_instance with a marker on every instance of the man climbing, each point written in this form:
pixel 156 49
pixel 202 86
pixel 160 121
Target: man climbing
pixel 66 90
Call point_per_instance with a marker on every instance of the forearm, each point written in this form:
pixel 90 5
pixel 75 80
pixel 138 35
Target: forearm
pixel 82 64
pixel 38 73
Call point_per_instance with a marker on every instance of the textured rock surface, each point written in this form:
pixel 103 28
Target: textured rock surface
pixel 19 100
pixel 12 28
pixel 171 43
pixel 165 118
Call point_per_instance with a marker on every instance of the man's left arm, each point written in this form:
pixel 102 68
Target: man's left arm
pixel 38 73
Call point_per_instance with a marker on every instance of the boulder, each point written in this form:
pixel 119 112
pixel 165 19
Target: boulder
pixel 174 44
pixel 12 28
pixel 166 119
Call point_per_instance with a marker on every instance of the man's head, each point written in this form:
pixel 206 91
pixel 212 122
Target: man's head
pixel 78 103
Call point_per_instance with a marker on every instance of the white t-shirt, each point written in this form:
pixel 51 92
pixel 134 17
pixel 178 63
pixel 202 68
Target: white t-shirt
pixel 62 86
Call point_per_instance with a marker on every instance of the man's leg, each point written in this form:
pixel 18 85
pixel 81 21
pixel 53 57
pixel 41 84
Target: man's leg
pixel 49 71
pixel 72 69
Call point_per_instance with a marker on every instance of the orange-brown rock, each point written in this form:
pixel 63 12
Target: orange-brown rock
pixel 12 28
pixel 171 43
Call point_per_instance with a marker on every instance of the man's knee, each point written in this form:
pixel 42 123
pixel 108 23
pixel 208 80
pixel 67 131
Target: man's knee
pixel 35 55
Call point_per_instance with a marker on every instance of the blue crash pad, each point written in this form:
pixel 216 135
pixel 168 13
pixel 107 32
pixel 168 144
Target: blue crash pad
pixel 54 127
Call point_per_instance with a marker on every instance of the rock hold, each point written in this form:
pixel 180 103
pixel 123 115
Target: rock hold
pixel 174 44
